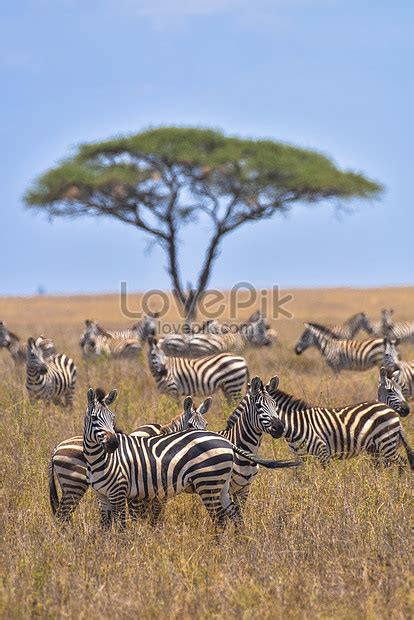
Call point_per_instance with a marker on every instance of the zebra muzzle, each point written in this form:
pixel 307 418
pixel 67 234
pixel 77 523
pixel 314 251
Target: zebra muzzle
pixel 111 443
pixel 277 429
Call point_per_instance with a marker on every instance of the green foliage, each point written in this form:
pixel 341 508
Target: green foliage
pixel 160 179
pixel 142 166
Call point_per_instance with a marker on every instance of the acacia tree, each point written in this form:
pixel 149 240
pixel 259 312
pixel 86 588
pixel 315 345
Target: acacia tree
pixel 161 179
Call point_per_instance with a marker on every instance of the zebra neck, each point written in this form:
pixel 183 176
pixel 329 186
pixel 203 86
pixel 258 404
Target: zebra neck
pixel 289 409
pixel 240 430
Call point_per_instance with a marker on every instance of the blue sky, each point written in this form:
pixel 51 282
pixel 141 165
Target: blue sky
pixel 336 75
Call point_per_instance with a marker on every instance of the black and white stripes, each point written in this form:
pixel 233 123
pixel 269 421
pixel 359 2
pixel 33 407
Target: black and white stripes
pixel 122 467
pixel 177 376
pixel 341 432
pixel 49 378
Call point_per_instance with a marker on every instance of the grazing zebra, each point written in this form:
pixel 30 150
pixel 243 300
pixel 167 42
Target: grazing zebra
pixel 403 331
pixel 122 467
pixel 17 349
pixel 49 378
pixel 192 346
pixel 347 354
pixel 96 340
pixel 68 463
pixel 177 376
pixel 400 370
pixel 340 331
pixel 341 432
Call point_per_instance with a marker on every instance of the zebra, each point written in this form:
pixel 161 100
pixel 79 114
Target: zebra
pixel 96 340
pixel 403 331
pixel 49 378
pixel 178 376
pixel 218 338
pixel 17 349
pixel 346 354
pixel 122 467
pixel 401 371
pixel 200 345
pixel 245 430
pixel 68 463
pixel 339 331
pixel 388 392
pixel 391 393
pixel 341 432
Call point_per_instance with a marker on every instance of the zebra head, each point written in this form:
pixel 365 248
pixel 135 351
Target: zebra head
pixel 386 320
pixel 100 420
pixel 391 353
pixel 34 356
pixel 363 322
pixel 263 410
pixel 258 332
pixel 4 335
pixel 147 327
pixel 306 340
pixel 390 392
pixel 195 419
pixel 157 359
pixel 91 331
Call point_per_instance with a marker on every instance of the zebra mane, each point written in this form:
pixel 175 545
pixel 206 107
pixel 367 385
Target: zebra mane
pixel 325 330
pixel 236 414
pixel 293 401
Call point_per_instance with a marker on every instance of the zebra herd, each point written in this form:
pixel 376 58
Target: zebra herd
pixel 142 469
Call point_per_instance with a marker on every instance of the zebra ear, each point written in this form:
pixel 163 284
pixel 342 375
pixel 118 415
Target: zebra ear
pixel 383 374
pixel 111 397
pixel 306 325
pixel 188 404
pixel 273 384
pixel 30 342
pixel 256 385
pixel 152 341
pixel 91 396
pixel 205 406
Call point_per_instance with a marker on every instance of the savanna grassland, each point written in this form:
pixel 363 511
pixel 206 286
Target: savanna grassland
pixel 318 544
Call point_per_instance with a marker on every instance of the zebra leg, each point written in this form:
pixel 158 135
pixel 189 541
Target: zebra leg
pixel 138 508
pixel 70 500
pixel 323 455
pixel 156 511
pixel 105 512
pixel 118 508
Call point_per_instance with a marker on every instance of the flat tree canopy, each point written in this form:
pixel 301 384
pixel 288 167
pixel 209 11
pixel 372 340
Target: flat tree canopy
pixel 160 179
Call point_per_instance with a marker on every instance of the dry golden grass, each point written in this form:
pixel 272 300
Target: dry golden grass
pixel 318 544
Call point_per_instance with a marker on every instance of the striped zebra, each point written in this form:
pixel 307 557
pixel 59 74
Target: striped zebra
pixel 340 331
pixel 347 354
pixel 152 469
pixel 49 378
pixel 96 340
pixel 400 370
pixel 179 376
pixel 403 331
pixel 68 463
pixel 234 338
pixel 201 345
pixel 245 429
pixel 391 393
pixel 18 349
pixel 341 432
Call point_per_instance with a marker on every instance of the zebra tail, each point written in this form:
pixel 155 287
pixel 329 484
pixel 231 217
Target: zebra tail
pixel 269 464
pixel 53 495
pixel 409 451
